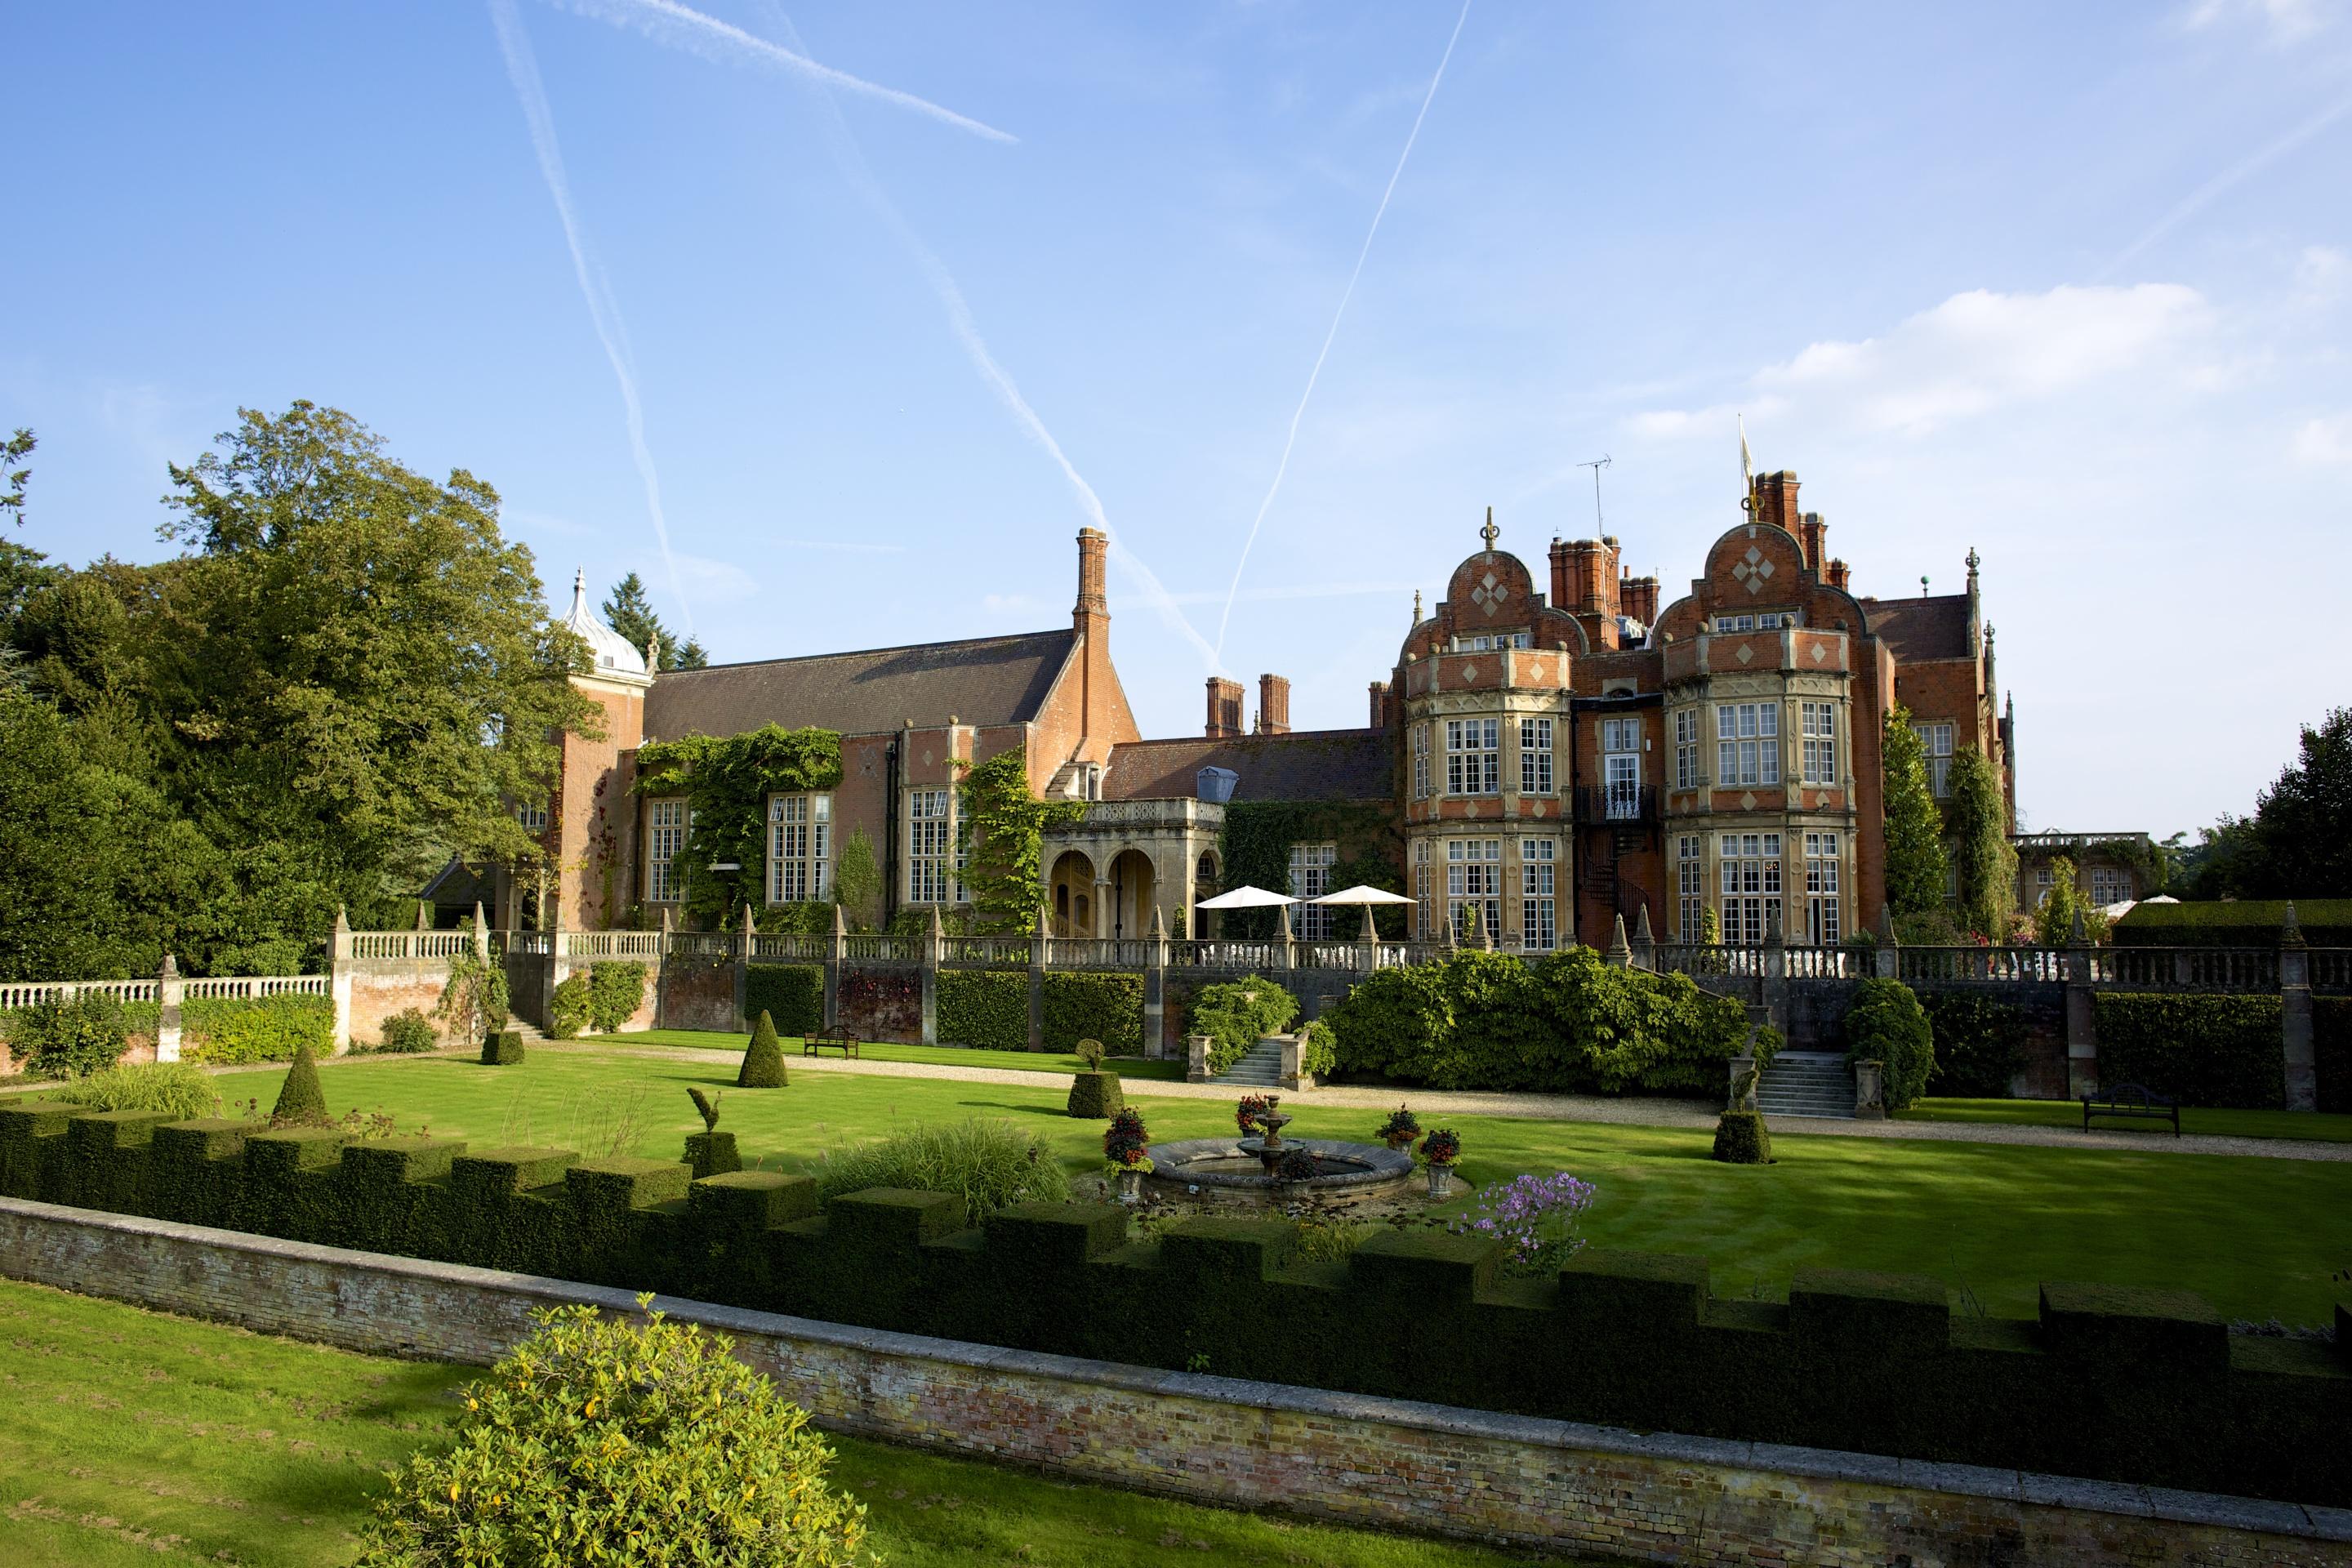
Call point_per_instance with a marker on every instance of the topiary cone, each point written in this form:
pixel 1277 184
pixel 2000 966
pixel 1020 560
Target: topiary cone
pixel 301 1100
pixel 763 1060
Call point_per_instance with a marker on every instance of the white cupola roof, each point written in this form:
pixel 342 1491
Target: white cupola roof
pixel 608 650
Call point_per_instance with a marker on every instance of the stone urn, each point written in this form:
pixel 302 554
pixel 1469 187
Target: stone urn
pixel 1437 1179
pixel 1130 1185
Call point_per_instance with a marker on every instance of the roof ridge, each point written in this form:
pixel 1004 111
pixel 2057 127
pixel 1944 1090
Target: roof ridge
pixel 864 652
pixel 1282 735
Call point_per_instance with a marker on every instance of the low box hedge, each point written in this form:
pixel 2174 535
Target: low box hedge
pixel 2233 923
pixel 984 1008
pixel 2136 1386
pixel 2220 1051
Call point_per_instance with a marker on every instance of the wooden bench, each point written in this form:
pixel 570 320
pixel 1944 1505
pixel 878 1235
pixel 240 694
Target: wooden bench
pixel 2131 1101
pixel 817 1041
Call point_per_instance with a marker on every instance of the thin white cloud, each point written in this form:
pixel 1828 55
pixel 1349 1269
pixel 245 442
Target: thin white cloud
pixel 669 22
pixel 522 68
pixel 2282 21
pixel 1973 354
pixel 716 581
pixel 1290 440
pixel 2228 179
pixel 845 544
pixel 2325 441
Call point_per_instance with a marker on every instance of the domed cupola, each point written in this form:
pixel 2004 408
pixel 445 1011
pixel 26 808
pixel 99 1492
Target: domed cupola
pixel 610 657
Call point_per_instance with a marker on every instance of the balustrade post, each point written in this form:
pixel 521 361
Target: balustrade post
pixel 1620 955
pixel 1886 961
pixel 1039 949
pixel 339 979
pixel 2082 1026
pixel 168 991
pixel 1646 944
pixel 1155 986
pixel 2296 1041
pixel 1368 944
pixel 481 934
pixel 1286 953
pixel 837 947
pixel 929 952
pixel 1775 987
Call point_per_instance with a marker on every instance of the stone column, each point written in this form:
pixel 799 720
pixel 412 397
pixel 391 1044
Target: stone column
pixel 1039 949
pixel 168 991
pixel 339 981
pixel 930 951
pixel 1105 897
pixel 1155 987
pixel 1293 1048
pixel 2294 1017
pixel 1196 1059
pixel 836 948
pixel 2081 1027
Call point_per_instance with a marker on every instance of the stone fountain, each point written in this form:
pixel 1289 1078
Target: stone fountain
pixel 1243 1171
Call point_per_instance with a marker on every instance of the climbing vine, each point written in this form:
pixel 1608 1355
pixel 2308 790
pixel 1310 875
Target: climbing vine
pixel 727 782
pixel 1255 848
pixel 1001 833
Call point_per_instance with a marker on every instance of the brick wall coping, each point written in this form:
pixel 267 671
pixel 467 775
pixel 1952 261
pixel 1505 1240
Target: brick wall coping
pixel 2158 1504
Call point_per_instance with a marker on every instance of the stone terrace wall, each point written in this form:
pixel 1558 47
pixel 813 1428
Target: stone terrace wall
pixel 1380 1462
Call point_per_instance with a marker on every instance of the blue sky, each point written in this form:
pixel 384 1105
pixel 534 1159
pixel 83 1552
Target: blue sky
pixel 2067 284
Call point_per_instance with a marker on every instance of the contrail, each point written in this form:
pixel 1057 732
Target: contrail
pixel 854 169
pixel 522 66
pixel 1347 294
pixel 2205 193
pixel 668 22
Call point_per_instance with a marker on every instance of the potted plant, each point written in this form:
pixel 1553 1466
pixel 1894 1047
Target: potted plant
pixel 1401 1129
pixel 1124 1141
pixel 1250 1108
pixel 1438 1151
pixel 1301 1164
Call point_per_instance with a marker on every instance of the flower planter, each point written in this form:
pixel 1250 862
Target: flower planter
pixel 1437 1180
pixel 1400 1140
pixel 1131 1186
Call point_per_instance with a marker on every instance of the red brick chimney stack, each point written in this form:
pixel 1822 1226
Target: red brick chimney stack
pixel 1638 597
pixel 1379 696
pixel 1272 705
pixel 1776 502
pixel 1838 570
pixel 1225 708
pixel 1090 618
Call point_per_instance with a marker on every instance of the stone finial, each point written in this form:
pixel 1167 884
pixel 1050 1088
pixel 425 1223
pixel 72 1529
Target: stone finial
pixel 749 928
pixel 2290 928
pixel 1886 925
pixel 1490 532
pixel 1371 931
pixel 2077 937
pixel 1159 924
pixel 170 970
pixel 1621 952
pixel 423 915
pixel 1284 910
pixel 1044 919
pixel 1416 606
pixel 1641 924
pixel 556 921
pixel 669 925
pixel 840 920
pixel 937 928
pixel 343 920
pixel 653 653
pixel 481 921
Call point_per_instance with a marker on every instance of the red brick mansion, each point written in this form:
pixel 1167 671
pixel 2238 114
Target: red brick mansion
pixel 1543 757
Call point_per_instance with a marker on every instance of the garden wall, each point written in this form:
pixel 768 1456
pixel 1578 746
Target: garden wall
pixel 696 993
pixel 1376 1462
pixel 1852 1361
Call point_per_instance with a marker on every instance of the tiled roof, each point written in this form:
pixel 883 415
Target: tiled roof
pixel 1305 764
pixel 988 680
pixel 1922 628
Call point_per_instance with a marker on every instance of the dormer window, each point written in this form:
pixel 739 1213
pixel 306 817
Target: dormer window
pixel 1771 620
pixel 1486 641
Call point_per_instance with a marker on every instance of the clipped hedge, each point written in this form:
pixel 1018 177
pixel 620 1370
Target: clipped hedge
pixel 790 994
pixel 1885 1024
pixel 1980 1044
pixel 1095 1095
pixel 2233 923
pixel 617 989
pixel 1106 1007
pixel 2222 1051
pixel 987 1008
pixel 225 1031
pixel 2331 1035
pixel 1873 1363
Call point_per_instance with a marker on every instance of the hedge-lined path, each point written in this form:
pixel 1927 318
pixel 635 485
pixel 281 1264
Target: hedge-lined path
pixel 1626 1110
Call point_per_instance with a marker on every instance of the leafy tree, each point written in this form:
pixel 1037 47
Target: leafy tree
pixel 858 879
pixel 2299 822
pixel 629 611
pixel 1001 828
pixel 2053 922
pixel 1980 847
pixel 1915 868
pixel 1885 1024
pixel 13 452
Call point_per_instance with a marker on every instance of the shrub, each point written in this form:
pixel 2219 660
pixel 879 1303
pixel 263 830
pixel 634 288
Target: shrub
pixel 1390 1022
pixel 275 955
pixel 991 1164
pixel 1885 1024
pixel 1236 1014
pixel 790 993
pixel 615 991
pixel 611 1440
pixel 763 1058
pixel 2331 1038
pixel 2201 1050
pixel 1979 1043
pixel 66 1039
pixel 301 1099
pixel 1535 1217
pixel 181 1088
pixel 570 1008
pixel 406 1032
pixel 988 1008
pixel 228 1031
pixel 1096 1094
pixel 475 1001
pixel 1107 1007
pixel 1125 1139
pixel 1091 1053
pixel 1317 1055
pixel 1741 1138
pixel 502 1048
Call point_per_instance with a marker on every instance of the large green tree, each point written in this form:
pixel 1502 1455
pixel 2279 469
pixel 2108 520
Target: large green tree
pixel 1916 870
pixel 2295 844
pixel 629 611
pixel 1981 851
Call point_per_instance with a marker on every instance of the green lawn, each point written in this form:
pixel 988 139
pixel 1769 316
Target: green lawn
pixel 2318 1127
pixel 881 1051
pixel 131 1437
pixel 2258 1237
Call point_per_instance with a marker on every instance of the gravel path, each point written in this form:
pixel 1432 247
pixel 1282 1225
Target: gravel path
pixel 1621 1110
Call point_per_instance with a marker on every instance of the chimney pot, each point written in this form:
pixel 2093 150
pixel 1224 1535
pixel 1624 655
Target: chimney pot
pixel 1224 717
pixel 1272 705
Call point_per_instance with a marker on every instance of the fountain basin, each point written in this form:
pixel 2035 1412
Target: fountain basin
pixel 1225 1170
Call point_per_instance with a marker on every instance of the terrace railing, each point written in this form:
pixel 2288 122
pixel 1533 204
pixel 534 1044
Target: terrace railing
pixel 2020 964
pixel 2187 968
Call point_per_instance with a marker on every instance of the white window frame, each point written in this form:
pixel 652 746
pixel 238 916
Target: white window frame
pixel 1539 886
pixel 1474 875
pixel 1747 744
pixel 931 845
pixel 1621 769
pixel 1688 723
pixel 1823 884
pixel 1535 756
pixel 1424 888
pixel 1473 756
pixel 1421 762
pixel 1748 876
pixel 800 848
pixel 1310 878
pixel 1691 886
pixel 2109 885
pixel 667 822
pixel 1818 722
pixel 1936 741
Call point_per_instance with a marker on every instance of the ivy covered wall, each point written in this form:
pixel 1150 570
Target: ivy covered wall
pixel 1258 836
pixel 727 782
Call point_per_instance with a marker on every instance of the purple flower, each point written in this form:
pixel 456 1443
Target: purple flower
pixel 1536 1217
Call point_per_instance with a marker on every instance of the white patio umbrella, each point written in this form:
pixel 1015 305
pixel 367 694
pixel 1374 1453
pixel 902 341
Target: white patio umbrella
pixel 1245 897
pixel 1367 895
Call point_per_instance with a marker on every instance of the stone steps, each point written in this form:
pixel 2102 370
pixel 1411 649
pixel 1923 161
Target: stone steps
pixel 1807 1083
pixel 1261 1068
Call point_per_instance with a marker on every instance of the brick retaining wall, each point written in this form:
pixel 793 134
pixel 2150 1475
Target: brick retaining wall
pixel 1352 1458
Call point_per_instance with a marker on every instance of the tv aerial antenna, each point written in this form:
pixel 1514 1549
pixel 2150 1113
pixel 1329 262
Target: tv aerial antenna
pixel 1597 464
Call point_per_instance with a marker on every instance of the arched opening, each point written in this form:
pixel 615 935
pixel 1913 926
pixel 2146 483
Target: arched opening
pixel 1072 883
pixel 1134 884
